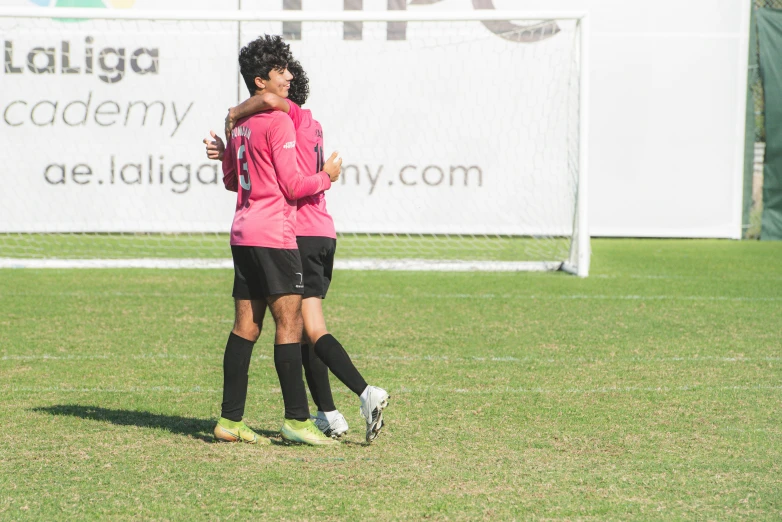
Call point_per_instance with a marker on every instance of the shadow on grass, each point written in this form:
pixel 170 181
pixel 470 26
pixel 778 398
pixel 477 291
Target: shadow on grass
pixel 196 428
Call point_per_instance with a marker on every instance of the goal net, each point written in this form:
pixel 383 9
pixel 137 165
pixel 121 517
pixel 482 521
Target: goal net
pixel 462 135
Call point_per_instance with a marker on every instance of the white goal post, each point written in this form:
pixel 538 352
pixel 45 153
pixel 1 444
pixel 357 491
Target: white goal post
pixel 464 139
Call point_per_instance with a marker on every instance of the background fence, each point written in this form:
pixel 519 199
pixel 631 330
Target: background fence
pixel 756 132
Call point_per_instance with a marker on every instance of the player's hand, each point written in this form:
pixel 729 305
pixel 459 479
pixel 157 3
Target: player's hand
pixel 333 166
pixel 230 122
pixel 214 147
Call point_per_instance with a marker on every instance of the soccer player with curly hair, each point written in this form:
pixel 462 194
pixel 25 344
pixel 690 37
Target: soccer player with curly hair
pixel 316 238
pixel 260 164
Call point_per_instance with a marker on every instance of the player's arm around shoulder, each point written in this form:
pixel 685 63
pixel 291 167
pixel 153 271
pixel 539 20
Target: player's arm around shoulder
pixel 253 105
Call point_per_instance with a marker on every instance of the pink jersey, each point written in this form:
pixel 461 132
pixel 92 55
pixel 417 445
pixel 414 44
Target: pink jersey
pixel 312 218
pixel 269 183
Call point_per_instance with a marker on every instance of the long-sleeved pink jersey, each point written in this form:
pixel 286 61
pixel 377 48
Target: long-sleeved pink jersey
pixel 260 164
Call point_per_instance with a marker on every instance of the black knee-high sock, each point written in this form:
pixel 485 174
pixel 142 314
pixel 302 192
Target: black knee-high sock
pixel 317 375
pixel 236 364
pixel 287 361
pixel 336 358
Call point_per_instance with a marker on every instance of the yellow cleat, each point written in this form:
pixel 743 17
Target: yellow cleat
pixel 305 432
pixel 229 431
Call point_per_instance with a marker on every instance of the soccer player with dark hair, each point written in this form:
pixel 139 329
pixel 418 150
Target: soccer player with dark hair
pixel 316 238
pixel 260 164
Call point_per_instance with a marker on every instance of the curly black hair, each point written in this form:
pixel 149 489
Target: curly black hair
pixel 300 84
pixel 259 57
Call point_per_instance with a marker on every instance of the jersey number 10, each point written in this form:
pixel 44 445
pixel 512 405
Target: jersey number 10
pixel 318 158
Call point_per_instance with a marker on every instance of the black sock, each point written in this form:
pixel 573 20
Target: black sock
pixel 287 361
pixel 336 358
pixel 236 364
pixel 317 375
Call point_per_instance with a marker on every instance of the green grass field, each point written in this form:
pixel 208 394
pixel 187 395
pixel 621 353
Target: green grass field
pixel 650 390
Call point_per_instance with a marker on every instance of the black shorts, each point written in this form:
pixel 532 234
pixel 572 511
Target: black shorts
pixel 317 260
pixel 260 272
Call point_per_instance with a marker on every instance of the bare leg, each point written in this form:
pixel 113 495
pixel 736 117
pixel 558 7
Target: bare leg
pixel 248 318
pixel 314 321
pixel 286 310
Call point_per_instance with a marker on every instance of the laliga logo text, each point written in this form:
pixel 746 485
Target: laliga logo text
pixel 111 61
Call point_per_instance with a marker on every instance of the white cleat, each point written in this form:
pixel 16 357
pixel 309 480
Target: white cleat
pixel 372 410
pixel 335 428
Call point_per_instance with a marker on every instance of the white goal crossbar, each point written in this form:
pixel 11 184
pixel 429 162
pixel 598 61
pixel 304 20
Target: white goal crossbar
pixel 288 16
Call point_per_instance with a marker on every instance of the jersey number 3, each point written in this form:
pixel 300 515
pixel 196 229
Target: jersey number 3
pixel 244 175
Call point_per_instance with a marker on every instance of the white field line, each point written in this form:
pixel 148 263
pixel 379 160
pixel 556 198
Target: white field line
pixel 405 265
pixel 116 263
pixel 422 295
pixel 217 357
pixel 402 265
pixel 574 297
pixel 411 390
pixel 666 277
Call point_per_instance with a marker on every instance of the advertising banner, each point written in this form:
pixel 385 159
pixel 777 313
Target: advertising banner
pixel 443 127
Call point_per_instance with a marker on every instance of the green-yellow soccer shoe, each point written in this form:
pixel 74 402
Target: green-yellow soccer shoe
pixel 230 431
pixel 305 432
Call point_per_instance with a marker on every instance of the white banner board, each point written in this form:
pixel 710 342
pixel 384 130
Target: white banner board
pixel 105 125
pixel 444 128
pixel 665 145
